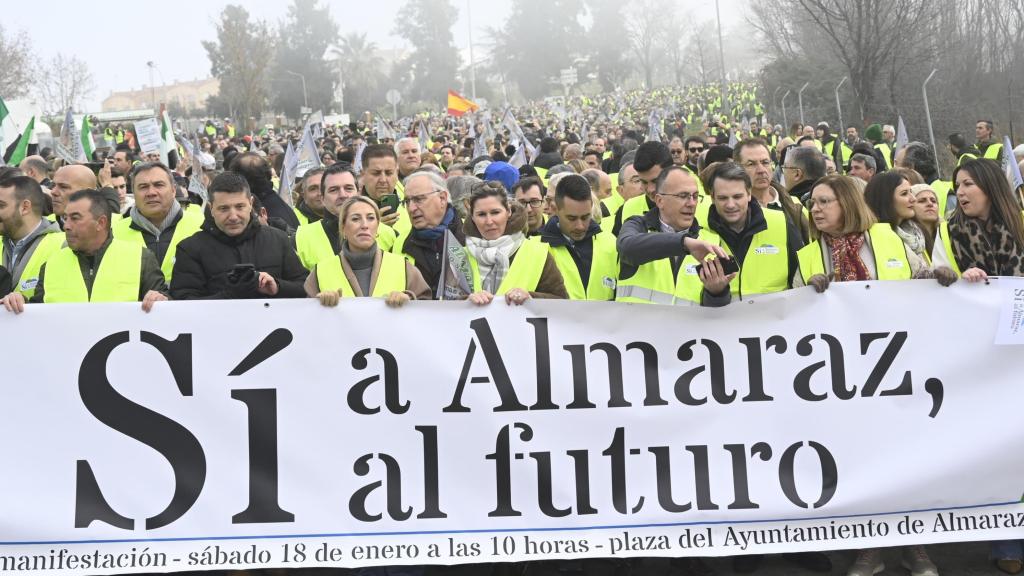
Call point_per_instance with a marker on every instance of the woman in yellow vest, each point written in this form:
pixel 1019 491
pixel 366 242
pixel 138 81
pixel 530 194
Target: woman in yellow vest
pixel 891 198
pixel 847 242
pixel 926 213
pixel 502 261
pixel 362 268
pixel 985 235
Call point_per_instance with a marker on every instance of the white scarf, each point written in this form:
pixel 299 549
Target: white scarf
pixel 913 237
pixel 492 257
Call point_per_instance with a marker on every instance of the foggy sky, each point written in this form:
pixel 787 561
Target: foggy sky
pixel 117 37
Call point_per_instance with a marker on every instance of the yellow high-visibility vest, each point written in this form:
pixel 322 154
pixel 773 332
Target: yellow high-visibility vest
pixel 189 223
pixel 26 282
pixel 117 279
pixel 604 269
pixel 391 278
pixel 524 273
pixel 891 262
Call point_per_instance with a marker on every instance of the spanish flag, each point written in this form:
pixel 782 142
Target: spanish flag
pixel 457 105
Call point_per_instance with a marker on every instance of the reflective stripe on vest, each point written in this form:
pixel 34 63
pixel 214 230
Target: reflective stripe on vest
pixel 390 278
pixel 189 223
pixel 652 284
pixel 116 280
pixel 765 266
pixel 524 273
pixel 944 236
pixel 890 253
pixel 603 269
pixel 26 282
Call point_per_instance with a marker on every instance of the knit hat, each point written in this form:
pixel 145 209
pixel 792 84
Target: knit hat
pixel 874 133
pixel 918 188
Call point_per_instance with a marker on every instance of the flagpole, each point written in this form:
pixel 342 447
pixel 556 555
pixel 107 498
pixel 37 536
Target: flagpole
pixel 928 114
pixel 472 62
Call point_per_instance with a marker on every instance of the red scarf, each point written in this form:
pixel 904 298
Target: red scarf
pixel 846 263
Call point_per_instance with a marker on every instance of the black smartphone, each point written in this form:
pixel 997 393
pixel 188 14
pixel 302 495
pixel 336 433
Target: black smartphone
pixel 729 266
pixel 389 203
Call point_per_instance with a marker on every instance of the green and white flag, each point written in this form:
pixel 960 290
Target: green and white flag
pixel 7 129
pixel 167 142
pixel 88 144
pixel 22 148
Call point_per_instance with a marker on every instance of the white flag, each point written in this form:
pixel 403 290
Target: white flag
pixel 901 134
pixel 308 155
pixel 69 145
pixel 291 162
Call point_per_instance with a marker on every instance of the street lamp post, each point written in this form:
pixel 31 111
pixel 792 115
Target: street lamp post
pixel 472 62
pixel 839 107
pixel 305 98
pixel 152 87
pixel 785 119
pixel 800 100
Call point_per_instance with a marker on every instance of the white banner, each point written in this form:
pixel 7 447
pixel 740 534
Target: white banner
pixel 260 434
pixel 148 133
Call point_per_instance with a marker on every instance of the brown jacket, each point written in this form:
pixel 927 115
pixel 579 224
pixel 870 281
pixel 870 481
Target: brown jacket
pixel 415 286
pixel 550 284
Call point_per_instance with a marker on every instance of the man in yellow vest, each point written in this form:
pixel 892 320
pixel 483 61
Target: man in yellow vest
pixel 26 238
pixel 584 254
pixel 311 204
pixel 318 240
pixel 987 144
pixel 157 221
pixel 649 161
pixel 652 246
pixel 763 242
pixel 874 135
pixel 94 266
pixel 961 149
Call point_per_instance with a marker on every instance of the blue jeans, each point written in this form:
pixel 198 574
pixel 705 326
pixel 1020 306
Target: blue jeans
pixel 1007 550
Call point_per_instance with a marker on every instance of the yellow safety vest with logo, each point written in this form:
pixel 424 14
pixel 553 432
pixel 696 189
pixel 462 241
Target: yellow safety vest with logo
pixel 942 191
pixel 391 277
pixel 29 278
pixel 189 223
pixel 117 279
pixel 312 244
pixel 604 269
pixel 891 261
pixel 944 236
pixel 886 153
pixel 524 273
pixel 765 267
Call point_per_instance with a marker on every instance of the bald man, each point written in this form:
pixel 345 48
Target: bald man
pixel 36 168
pixel 68 180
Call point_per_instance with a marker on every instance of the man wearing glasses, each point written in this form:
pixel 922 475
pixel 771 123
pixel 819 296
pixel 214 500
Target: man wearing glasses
pixel 433 221
pixel 652 246
pixel 694 146
pixel 529 193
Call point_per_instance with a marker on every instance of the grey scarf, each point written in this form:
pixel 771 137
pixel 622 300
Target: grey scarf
pixel 142 222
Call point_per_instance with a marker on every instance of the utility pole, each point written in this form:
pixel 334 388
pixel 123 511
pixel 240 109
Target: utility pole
pixel 721 56
pixel 152 87
pixel 472 62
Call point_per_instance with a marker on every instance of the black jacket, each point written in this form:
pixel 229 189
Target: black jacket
pixel 204 260
pixel 547 159
pixel 427 253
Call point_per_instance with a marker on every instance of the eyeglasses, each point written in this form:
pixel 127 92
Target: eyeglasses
pixel 762 163
pixel 676 151
pixel 418 200
pixel 695 150
pixel 532 203
pixel 821 202
pixel 685 196
pixel 784 167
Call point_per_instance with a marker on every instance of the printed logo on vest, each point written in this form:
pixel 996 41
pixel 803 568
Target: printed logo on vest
pixel 29 284
pixel 894 263
pixel 691 269
pixel 766 249
pixel 609 283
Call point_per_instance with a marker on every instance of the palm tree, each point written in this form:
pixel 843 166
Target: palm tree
pixel 361 69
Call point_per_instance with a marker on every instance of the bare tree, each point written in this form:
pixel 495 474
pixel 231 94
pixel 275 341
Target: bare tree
pixel 645 26
pixel 64 83
pixel 16 68
pixel 673 38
